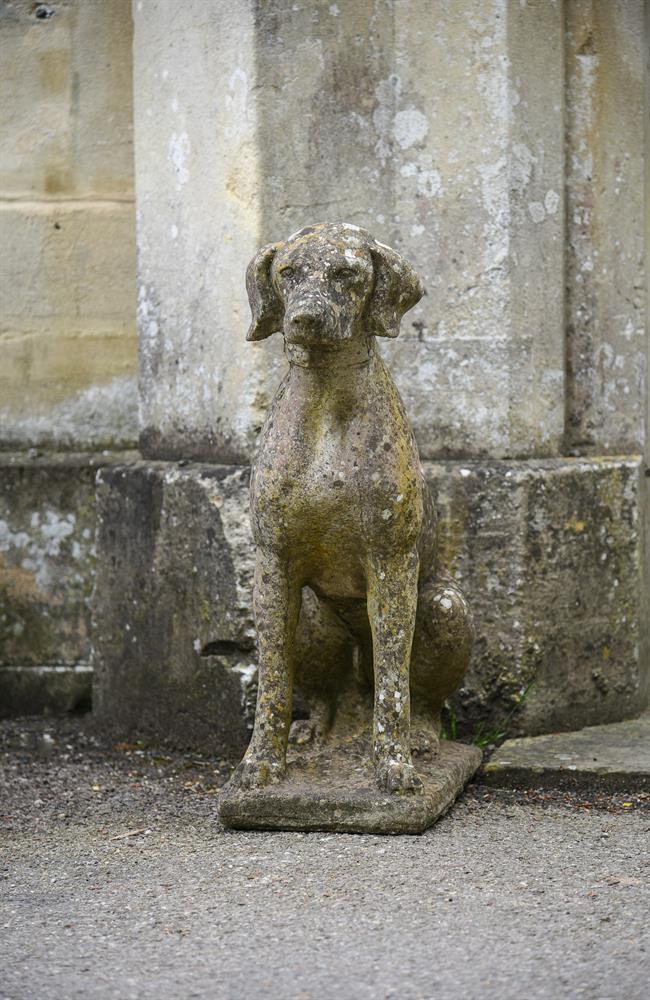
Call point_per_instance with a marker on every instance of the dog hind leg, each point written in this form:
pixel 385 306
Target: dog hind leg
pixel 323 656
pixel 442 646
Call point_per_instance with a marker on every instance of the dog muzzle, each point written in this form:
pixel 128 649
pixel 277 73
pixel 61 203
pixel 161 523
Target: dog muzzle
pixel 312 322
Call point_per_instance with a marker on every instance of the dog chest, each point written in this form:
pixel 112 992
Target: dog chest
pixel 349 504
pixel 337 458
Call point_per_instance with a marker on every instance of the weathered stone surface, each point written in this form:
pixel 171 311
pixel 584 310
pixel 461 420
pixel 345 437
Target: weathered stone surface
pixel 45 690
pixel 173 633
pixel 65 116
pixel 606 108
pixel 67 226
pixel 47 565
pixel 613 758
pixel 548 553
pixel 460 168
pixel 339 505
pixel 48 558
pixel 202 394
pixel 335 789
pixel 67 325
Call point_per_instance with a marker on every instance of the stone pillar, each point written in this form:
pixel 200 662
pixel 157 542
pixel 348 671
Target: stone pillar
pixel 449 137
pixel 606 116
pixel 608 222
pixel 68 351
pixel 444 140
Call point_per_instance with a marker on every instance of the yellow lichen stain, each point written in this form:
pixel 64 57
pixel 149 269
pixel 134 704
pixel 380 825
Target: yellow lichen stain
pixel 54 71
pixel 451 537
pixel 44 368
pixel 573 524
pixel 606 652
pixel 21 583
pixel 57 181
pixel 242 180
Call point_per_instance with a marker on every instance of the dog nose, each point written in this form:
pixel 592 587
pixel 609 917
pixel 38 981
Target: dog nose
pixel 308 319
pixel 304 318
pixel 307 313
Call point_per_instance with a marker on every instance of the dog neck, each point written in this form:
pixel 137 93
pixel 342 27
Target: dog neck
pixel 353 354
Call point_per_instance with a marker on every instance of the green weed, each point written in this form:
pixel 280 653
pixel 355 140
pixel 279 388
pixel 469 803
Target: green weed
pixel 483 737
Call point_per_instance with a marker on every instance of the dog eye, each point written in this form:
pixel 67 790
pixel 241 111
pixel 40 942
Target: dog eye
pixel 342 273
pixel 287 272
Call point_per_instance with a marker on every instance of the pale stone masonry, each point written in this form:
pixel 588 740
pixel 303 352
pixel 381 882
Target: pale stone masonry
pixel 444 139
pixel 68 349
pixel 67 226
pixel 607 226
pixel 502 147
pixel 47 573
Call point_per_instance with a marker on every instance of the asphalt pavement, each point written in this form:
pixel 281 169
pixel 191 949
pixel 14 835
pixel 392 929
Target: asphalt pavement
pixel 117 882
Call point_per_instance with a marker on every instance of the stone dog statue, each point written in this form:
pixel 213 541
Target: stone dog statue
pixel 348 592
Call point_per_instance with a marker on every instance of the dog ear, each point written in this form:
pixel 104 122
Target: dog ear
pixel 265 303
pixel 397 289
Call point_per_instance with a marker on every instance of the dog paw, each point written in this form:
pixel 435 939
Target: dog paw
pixel 256 772
pixel 424 741
pixel 398 777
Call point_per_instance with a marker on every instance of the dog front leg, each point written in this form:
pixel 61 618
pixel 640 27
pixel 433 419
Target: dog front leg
pixel 392 606
pixel 276 603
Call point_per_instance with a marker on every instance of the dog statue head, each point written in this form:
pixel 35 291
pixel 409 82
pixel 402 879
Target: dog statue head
pixel 327 285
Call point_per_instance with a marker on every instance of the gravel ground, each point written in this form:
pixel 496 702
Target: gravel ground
pixel 117 882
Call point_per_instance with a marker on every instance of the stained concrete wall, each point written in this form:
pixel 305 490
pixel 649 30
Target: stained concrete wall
pixel 452 138
pixel 606 166
pixel 443 136
pixel 67 226
pixel 500 146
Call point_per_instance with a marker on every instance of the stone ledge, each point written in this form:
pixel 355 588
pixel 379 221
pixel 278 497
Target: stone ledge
pixel 45 458
pixel 45 689
pixel 603 758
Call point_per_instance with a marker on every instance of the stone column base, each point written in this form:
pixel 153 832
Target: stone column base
pixel 47 567
pixel 549 553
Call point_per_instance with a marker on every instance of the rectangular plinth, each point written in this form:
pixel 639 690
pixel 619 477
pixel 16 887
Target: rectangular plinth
pixel 560 543
pixel 336 791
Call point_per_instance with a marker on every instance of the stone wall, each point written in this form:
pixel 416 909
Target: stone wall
pixel 47 571
pixel 445 139
pixel 607 226
pixel 67 226
pixel 548 552
pixel 67 327
pixel 500 146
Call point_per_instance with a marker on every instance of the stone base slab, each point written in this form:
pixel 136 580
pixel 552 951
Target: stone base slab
pixel 603 758
pixel 335 790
